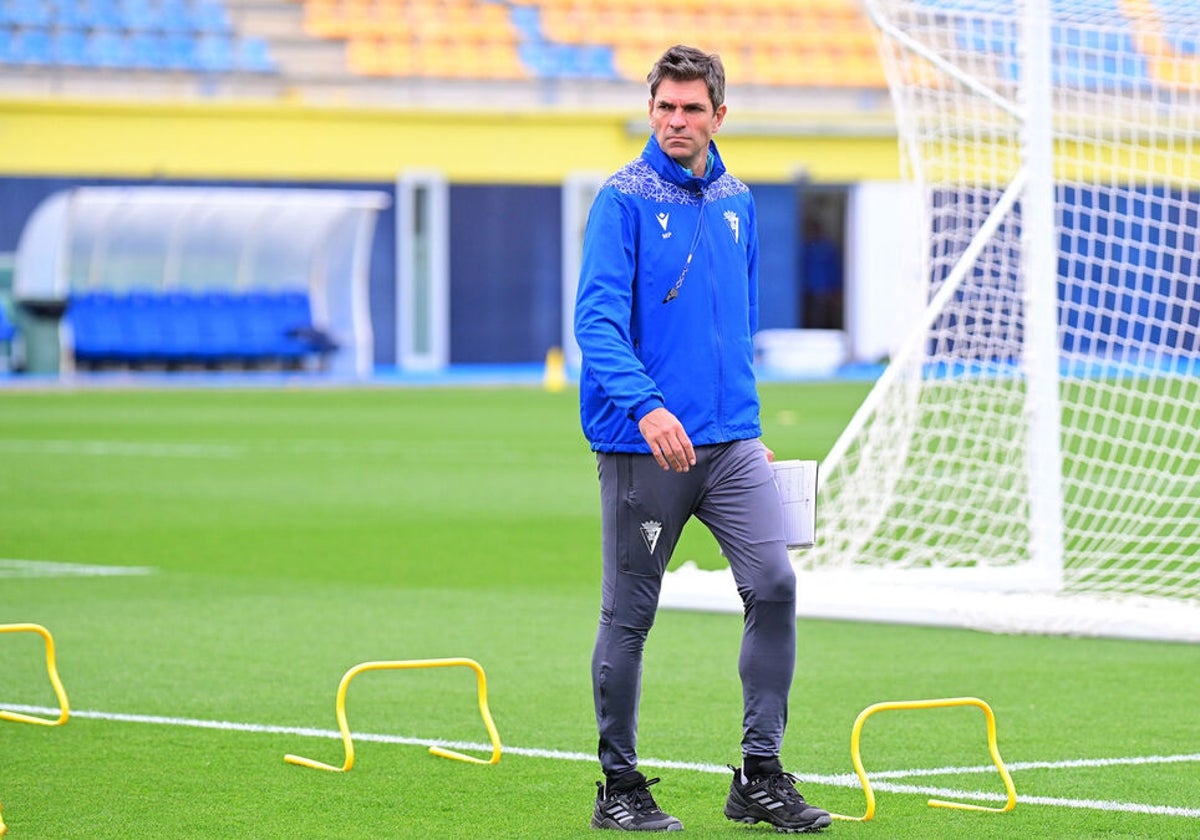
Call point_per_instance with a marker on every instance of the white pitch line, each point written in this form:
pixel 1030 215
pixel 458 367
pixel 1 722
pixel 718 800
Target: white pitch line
pixel 836 780
pixel 10 568
pixel 122 449
pixel 1042 765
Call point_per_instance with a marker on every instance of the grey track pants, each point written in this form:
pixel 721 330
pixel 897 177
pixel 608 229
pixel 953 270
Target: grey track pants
pixel 644 509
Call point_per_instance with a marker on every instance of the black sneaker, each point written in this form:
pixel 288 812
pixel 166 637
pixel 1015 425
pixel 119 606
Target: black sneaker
pixel 631 809
pixel 772 798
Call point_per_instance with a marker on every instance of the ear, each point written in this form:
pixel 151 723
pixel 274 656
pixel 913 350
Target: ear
pixel 719 117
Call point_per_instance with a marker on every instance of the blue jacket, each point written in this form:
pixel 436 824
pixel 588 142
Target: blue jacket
pixel 693 354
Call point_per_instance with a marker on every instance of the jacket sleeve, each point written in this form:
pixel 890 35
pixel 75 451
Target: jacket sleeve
pixel 604 307
pixel 752 267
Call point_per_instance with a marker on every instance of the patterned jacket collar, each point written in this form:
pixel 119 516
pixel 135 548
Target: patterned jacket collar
pixel 669 170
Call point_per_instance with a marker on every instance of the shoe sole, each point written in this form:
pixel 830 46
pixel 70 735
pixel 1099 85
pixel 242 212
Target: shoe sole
pixel 819 823
pixel 613 825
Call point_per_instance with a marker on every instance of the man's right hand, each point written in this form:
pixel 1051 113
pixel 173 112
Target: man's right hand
pixel 669 443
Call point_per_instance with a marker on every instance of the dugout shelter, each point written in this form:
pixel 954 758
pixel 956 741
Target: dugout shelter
pixel 158 241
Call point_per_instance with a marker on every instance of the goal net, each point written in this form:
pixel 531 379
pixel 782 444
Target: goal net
pixel 1030 459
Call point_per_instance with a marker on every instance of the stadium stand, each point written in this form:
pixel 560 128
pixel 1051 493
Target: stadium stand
pixel 772 43
pixel 1130 59
pixel 410 51
pixel 190 36
pixel 792 43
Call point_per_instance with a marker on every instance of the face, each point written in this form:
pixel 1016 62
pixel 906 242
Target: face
pixel 683 121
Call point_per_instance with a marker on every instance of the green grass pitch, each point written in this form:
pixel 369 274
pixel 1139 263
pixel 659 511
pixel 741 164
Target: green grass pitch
pixel 292 533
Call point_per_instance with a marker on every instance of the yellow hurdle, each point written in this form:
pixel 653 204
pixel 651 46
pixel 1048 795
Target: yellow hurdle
pixel 52 670
pixel 856 755
pixel 348 742
pixel 3 827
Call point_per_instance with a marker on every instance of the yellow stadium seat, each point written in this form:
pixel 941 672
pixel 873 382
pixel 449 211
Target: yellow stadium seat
pixel 369 56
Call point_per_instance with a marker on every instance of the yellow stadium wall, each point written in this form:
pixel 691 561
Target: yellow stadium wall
pixel 288 142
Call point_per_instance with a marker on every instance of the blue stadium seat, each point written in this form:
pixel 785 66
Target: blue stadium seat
pixel 528 22
pixel 215 54
pixel 96 323
pixel 27 13
pixel 219 325
pixel 179 51
pixel 7 330
pixel 72 15
pixel 209 16
pixel 102 14
pixel 253 56
pixel 107 48
pixel 146 50
pixel 140 15
pixel 176 16
pixel 30 47
pixel 182 332
pixel 144 321
pixel 596 62
pixel 70 48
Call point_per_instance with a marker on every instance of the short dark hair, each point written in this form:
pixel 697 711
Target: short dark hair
pixel 682 64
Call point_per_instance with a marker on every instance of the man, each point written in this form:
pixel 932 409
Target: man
pixel 665 315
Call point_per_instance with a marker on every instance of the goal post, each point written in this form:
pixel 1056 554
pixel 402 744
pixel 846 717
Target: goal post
pixel 1029 461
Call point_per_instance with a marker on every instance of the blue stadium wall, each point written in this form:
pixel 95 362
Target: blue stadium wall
pixel 504 172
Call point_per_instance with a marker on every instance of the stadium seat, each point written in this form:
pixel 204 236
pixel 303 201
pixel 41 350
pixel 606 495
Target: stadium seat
pixel 210 16
pixel 144 317
pixel 179 51
pixel 92 14
pixel 254 56
pixel 70 48
pixel 29 13
pixel 29 46
pixel 146 50
pixel 96 321
pixel 177 16
pixel 106 48
pixel 217 312
pixel 181 334
pixel 215 53
pixel 140 15
pixel 7 330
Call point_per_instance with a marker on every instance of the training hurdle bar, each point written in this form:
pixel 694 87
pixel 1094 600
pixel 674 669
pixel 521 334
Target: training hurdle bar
pixel 856 754
pixel 347 741
pixel 52 670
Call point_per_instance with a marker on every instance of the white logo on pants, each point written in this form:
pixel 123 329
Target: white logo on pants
pixel 650 532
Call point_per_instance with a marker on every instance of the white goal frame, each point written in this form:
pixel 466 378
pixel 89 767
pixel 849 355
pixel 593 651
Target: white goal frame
pixel 1035 591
